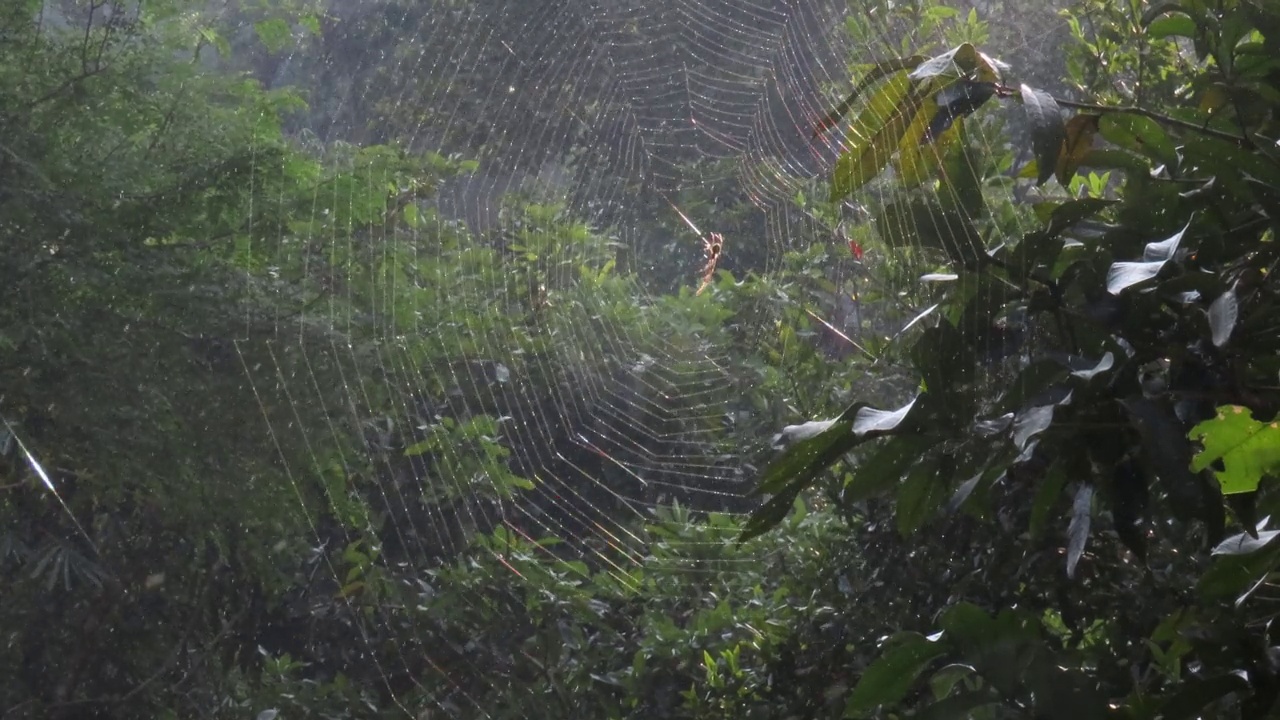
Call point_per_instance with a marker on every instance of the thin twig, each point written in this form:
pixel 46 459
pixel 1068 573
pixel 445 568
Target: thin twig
pixel 1006 91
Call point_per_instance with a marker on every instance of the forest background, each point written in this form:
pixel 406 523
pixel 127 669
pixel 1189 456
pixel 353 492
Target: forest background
pixel 334 384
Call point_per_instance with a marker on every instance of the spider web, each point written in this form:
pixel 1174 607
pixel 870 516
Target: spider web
pixel 618 112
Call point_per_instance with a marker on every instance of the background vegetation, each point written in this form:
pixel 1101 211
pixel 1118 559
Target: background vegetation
pixel 282 437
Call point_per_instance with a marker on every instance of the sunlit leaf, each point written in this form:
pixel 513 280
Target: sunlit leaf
pixel 1077 144
pixel 1123 275
pixel 1247 449
pixel 962 61
pixel 874 136
pixel 820 447
pixel 877 73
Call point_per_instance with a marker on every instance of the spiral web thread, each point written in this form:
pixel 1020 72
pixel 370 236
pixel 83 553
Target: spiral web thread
pixel 655 98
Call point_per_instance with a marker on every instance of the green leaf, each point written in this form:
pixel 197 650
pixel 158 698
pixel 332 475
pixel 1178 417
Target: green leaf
pixel 1223 314
pixel 1172 26
pixel 924 489
pixel 310 23
pixel 873 76
pixel 1246 448
pixel 1195 694
pixel 960 705
pixel 962 61
pixel 411 217
pixel 1078 531
pixel 820 446
pixel 946 679
pixel 911 222
pixel 1123 275
pixel 1077 144
pixel 1139 134
pixel 1047 494
pixel 874 137
pixel 1047 129
pixel 889 678
pixel 883 468
pixel 1068 214
pixel 274 34
pixel 1239 562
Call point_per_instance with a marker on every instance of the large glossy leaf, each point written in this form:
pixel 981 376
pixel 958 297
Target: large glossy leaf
pixel 998 647
pixel 1139 134
pixel 921 494
pixel 1068 214
pixel 819 447
pixel 874 137
pixel 1047 129
pixel 962 61
pixel 884 468
pixel 1078 530
pixel 877 73
pixel 957 100
pixel 910 222
pixel 960 705
pixel 1076 146
pixel 1239 563
pixel 1165 447
pixel 1222 317
pixel 1123 275
pixel 1245 449
pixel 1192 697
pixel 887 680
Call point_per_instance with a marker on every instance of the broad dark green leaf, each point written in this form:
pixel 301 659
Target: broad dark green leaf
pixel 923 491
pixel 1172 26
pixel 1190 700
pixel 883 469
pixel 1129 502
pixel 1165 446
pixel 1123 275
pixel 957 100
pixel 947 677
pixel 1030 423
pixel 1066 215
pixel 1239 563
pixel 1139 134
pixel 887 680
pixel 1047 494
pixel 1047 129
pixel 823 444
pixel 818 445
pixel 982 481
pixel 915 223
pixel 960 705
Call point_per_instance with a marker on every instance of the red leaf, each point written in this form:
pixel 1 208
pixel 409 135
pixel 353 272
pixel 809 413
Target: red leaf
pixel 856 249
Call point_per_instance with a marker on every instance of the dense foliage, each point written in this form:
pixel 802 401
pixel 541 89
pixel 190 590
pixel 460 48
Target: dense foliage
pixel 1130 426
pixel 282 439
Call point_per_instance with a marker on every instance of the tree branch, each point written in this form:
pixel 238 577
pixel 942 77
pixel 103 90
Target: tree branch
pixel 1005 91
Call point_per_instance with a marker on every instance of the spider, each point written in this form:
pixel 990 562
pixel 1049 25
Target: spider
pixel 712 246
